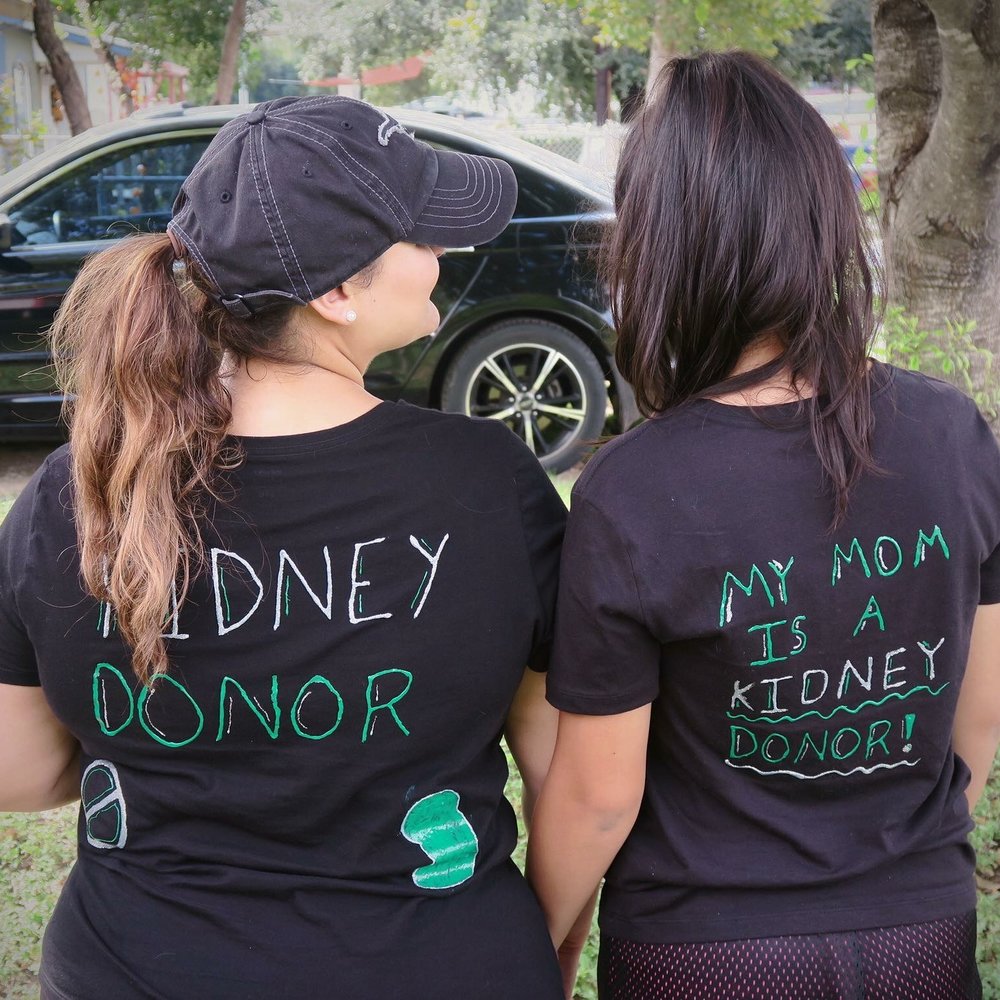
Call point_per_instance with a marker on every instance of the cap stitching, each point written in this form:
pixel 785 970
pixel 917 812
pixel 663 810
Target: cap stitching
pixel 318 99
pixel 465 163
pixel 211 155
pixel 471 224
pixel 359 179
pixel 361 166
pixel 264 212
pixel 471 193
pixel 277 209
pixel 196 253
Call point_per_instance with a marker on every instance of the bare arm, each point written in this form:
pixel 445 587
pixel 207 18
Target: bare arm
pixel 586 810
pixel 39 759
pixel 977 718
pixel 531 736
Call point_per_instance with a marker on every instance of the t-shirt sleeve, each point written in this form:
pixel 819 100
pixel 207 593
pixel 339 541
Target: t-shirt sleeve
pixel 989 579
pixel 986 465
pixel 17 656
pixel 605 660
pixel 543 519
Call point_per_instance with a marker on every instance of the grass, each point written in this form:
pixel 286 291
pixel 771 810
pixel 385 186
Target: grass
pixel 37 850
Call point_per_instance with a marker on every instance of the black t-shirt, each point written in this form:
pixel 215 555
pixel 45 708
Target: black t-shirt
pixel 310 802
pixel 803 683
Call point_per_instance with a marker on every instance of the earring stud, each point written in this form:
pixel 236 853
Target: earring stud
pixel 350 315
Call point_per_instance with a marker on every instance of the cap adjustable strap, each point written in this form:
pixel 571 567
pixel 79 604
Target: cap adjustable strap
pixel 237 306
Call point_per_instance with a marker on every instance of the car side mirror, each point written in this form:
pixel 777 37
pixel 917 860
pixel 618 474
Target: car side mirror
pixel 6 232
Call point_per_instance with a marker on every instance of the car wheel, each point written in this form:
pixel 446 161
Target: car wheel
pixel 539 379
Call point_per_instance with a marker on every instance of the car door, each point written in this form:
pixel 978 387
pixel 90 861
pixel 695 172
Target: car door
pixel 76 211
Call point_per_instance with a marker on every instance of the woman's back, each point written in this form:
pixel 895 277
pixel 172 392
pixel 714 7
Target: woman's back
pixel 320 766
pixel 790 595
pixel 803 681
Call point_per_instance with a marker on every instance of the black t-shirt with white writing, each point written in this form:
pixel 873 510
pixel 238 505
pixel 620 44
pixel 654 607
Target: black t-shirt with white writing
pixel 310 802
pixel 803 682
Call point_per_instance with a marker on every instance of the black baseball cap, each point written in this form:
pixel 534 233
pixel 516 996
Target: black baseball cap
pixel 295 197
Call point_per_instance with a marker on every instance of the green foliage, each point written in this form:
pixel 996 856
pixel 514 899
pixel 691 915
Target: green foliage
pixel 474 47
pixel 618 22
pixel 986 840
pixel 25 138
pixel 368 33
pixel 175 30
pixel 501 43
pixel 950 353
pixel 835 50
pixel 698 25
pixel 267 63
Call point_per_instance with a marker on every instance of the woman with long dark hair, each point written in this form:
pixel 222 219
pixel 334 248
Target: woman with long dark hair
pixel 778 634
pixel 269 628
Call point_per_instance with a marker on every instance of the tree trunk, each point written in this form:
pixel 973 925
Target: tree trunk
pixel 100 46
pixel 937 77
pixel 662 43
pixel 63 71
pixel 658 56
pixel 602 91
pixel 230 54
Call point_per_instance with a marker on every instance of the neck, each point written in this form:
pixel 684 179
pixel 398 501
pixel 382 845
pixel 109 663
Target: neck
pixel 779 388
pixel 270 399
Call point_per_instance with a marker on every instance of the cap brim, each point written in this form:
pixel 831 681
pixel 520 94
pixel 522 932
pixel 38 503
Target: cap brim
pixel 471 203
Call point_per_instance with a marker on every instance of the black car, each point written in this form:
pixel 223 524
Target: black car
pixel 525 335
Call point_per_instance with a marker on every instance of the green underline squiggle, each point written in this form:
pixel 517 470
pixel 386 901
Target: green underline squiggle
pixel 842 708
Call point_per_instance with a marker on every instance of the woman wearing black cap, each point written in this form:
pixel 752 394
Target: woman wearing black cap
pixel 777 641
pixel 267 627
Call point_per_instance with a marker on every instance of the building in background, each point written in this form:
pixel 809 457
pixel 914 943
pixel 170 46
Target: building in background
pixel 33 97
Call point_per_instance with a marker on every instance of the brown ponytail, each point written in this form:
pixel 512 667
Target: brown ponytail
pixel 147 427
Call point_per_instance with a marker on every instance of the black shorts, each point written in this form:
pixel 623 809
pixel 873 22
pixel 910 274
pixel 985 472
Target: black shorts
pixel 928 961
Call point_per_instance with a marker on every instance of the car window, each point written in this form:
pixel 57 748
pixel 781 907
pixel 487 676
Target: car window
pixel 541 195
pixel 109 196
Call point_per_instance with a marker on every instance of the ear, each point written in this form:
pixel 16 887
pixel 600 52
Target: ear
pixel 335 305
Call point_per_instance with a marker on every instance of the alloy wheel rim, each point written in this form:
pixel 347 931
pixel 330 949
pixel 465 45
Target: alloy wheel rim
pixel 536 390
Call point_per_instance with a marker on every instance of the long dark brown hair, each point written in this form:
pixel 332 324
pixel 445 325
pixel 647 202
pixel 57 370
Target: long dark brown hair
pixel 737 219
pixel 141 350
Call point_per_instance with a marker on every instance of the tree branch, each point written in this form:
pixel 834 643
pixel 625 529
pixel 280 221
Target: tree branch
pixel 63 71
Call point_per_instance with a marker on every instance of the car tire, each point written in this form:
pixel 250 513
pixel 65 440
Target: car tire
pixel 539 379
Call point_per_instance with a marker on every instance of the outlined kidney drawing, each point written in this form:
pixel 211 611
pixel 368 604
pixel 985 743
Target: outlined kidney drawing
pixel 103 806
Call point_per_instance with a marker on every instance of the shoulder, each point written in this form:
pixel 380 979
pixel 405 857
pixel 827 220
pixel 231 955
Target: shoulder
pixel 42 513
pixel 624 463
pixel 47 492
pixel 474 441
pixel 933 405
pixel 456 427
pixel 476 459
pixel 910 388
